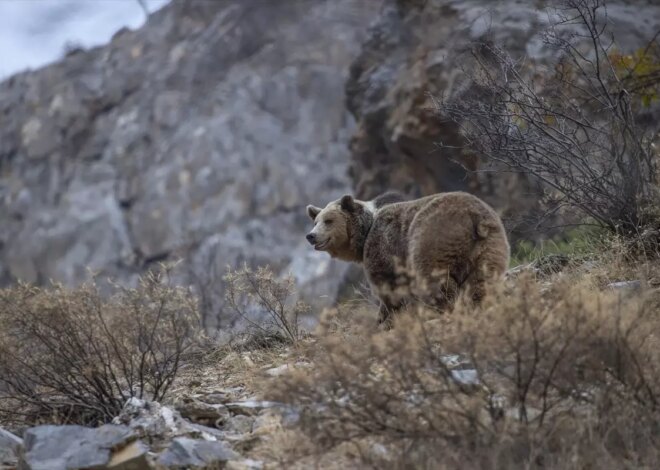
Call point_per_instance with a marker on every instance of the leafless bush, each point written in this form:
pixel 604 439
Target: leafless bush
pixel 572 125
pixel 74 356
pixel 266 304
pixel 560 377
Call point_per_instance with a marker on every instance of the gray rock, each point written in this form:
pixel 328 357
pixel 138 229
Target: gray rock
pixel 625 285
pixel 218 397
pixel 245 464
pixel 160 424
pixel 466 376
pixel 186 453
pixel 151 419
pixel 251 407
pixel 9 446
pixel 73 447
pixel 279 370
pixel 199 411
pixel 134 456
pixel 201 135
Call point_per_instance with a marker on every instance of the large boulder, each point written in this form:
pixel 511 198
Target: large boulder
pixel 72 447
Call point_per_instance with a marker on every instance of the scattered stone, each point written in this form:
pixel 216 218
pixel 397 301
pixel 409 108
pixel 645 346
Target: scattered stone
pixel 222 396
pixel 250 407
pixel 71 447
pixel 150 419
pixel 461 369
pixel 278 371
pixel 159 424
pixel 625 285
pixel 466 376
pixel 529 414
pixel 186 453
pixel 201 412
pixel 452 361
pixel 245 464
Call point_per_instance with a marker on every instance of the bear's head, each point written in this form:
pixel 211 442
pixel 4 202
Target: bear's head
pixel 341 228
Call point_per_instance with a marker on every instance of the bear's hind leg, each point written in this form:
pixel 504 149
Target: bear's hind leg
pixel 436 290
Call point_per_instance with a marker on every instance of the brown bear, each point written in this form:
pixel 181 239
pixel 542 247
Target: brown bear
pixel 429 249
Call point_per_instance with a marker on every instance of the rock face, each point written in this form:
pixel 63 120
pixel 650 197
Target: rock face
pixel 417 51
pixel 202 135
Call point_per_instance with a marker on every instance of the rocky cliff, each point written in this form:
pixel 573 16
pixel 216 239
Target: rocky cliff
pixel 203 134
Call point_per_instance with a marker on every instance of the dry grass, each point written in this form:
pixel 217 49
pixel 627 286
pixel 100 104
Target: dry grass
pixel 568 377
pixel 75 356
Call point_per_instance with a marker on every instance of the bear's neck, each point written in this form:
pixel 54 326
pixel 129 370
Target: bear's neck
pixel 357 235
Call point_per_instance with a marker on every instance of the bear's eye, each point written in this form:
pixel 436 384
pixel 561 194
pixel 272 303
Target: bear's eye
pixel 328 222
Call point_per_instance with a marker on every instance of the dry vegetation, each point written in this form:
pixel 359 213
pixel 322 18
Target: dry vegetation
pixel 553 370
pixel 568 377
pixel 575 125
pixel 76 356
pixel 266 304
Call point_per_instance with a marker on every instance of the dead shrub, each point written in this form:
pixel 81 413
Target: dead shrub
pixel 75 356
pixel 576 125
pixel 554 377
pixel 266 304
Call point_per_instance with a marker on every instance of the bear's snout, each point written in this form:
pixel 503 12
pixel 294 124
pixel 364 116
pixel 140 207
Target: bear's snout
pixel 311 238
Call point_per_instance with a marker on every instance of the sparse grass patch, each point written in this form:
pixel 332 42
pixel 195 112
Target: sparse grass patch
pixel 576 243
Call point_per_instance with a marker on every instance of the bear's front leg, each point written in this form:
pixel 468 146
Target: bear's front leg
pixel 386 314
pixel 384 317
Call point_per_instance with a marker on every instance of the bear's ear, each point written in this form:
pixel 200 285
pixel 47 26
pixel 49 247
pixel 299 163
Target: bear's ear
pixel 348 203
pixel 313 211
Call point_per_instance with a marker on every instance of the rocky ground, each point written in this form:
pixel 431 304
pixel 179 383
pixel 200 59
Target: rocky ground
pixel 215 419
pixel 218 414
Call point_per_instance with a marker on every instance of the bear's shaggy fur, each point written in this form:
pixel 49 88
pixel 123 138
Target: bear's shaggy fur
pixel 429 249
